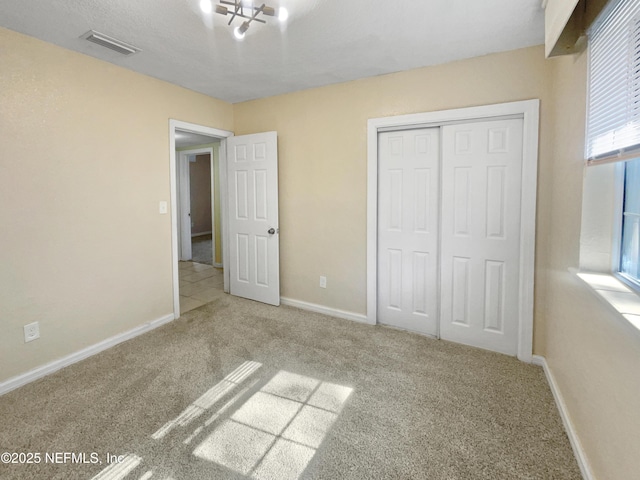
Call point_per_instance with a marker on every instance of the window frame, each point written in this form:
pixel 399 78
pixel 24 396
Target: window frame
pixel 616 243
pixel 618 224
pixel 601 225
pixel 616 221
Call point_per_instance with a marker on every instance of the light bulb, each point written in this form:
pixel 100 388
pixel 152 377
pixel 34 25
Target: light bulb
pixel 283 14
pixel 239 32
pixel 205 6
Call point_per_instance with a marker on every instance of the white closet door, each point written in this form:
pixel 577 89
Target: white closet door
pixel 481 183
pixel 408 229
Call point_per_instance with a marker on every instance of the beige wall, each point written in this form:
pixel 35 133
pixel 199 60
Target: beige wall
pixel 200 193
pixel 323 159
pixel 594 356
pixel 84 161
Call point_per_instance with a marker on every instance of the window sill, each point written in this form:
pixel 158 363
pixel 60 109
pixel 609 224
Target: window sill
pixel 624 301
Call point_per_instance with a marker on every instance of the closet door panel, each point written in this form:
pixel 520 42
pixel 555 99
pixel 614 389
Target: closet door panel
pixel 480 237
pixel 408 216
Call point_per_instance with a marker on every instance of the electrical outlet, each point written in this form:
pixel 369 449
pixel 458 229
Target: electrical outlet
pixel 323 281
pixel 163 207
pixel 31 332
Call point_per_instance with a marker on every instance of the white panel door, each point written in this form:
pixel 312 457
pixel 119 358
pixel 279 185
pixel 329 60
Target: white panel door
pixel 252 179
pixel 481 183
pixel 408 229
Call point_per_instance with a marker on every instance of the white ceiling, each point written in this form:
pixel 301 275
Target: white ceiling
pixel 323 42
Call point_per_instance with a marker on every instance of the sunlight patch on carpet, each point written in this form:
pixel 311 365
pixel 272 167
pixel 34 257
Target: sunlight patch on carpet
pixel 276 432
pixel 273 432
pixel 209 398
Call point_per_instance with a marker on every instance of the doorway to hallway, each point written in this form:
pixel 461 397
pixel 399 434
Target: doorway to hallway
pixel 199 284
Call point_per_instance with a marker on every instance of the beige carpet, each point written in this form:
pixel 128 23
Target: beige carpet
pixel 236 389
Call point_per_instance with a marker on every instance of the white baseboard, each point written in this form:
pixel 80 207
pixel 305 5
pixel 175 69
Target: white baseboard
pixel 217 265
pixel 200 234
pixel 332 312
pixel 49 368
pixel 579 453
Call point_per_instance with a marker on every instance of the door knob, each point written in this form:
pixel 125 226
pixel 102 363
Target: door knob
pixel 271 231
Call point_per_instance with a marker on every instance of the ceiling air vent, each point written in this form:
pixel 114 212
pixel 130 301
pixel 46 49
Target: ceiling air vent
pixel 110 43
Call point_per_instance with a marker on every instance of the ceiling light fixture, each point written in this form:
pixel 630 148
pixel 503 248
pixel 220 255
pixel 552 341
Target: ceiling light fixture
pixel 283 14
pixel 206 6
pixel 241 30
pixel 244 9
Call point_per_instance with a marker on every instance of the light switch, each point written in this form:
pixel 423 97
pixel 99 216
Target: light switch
pixel 163 207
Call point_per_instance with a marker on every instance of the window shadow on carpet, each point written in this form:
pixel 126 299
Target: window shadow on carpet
pixel 262 428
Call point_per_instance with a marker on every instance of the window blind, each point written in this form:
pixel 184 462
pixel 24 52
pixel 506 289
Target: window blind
pixel 613 113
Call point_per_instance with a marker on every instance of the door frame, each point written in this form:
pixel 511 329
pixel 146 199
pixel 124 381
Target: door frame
pixel 526 109
pixel 222 135
pixel 184 196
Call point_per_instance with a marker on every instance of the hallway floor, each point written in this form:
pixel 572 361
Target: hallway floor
pixel 198 284
pixel 201 249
